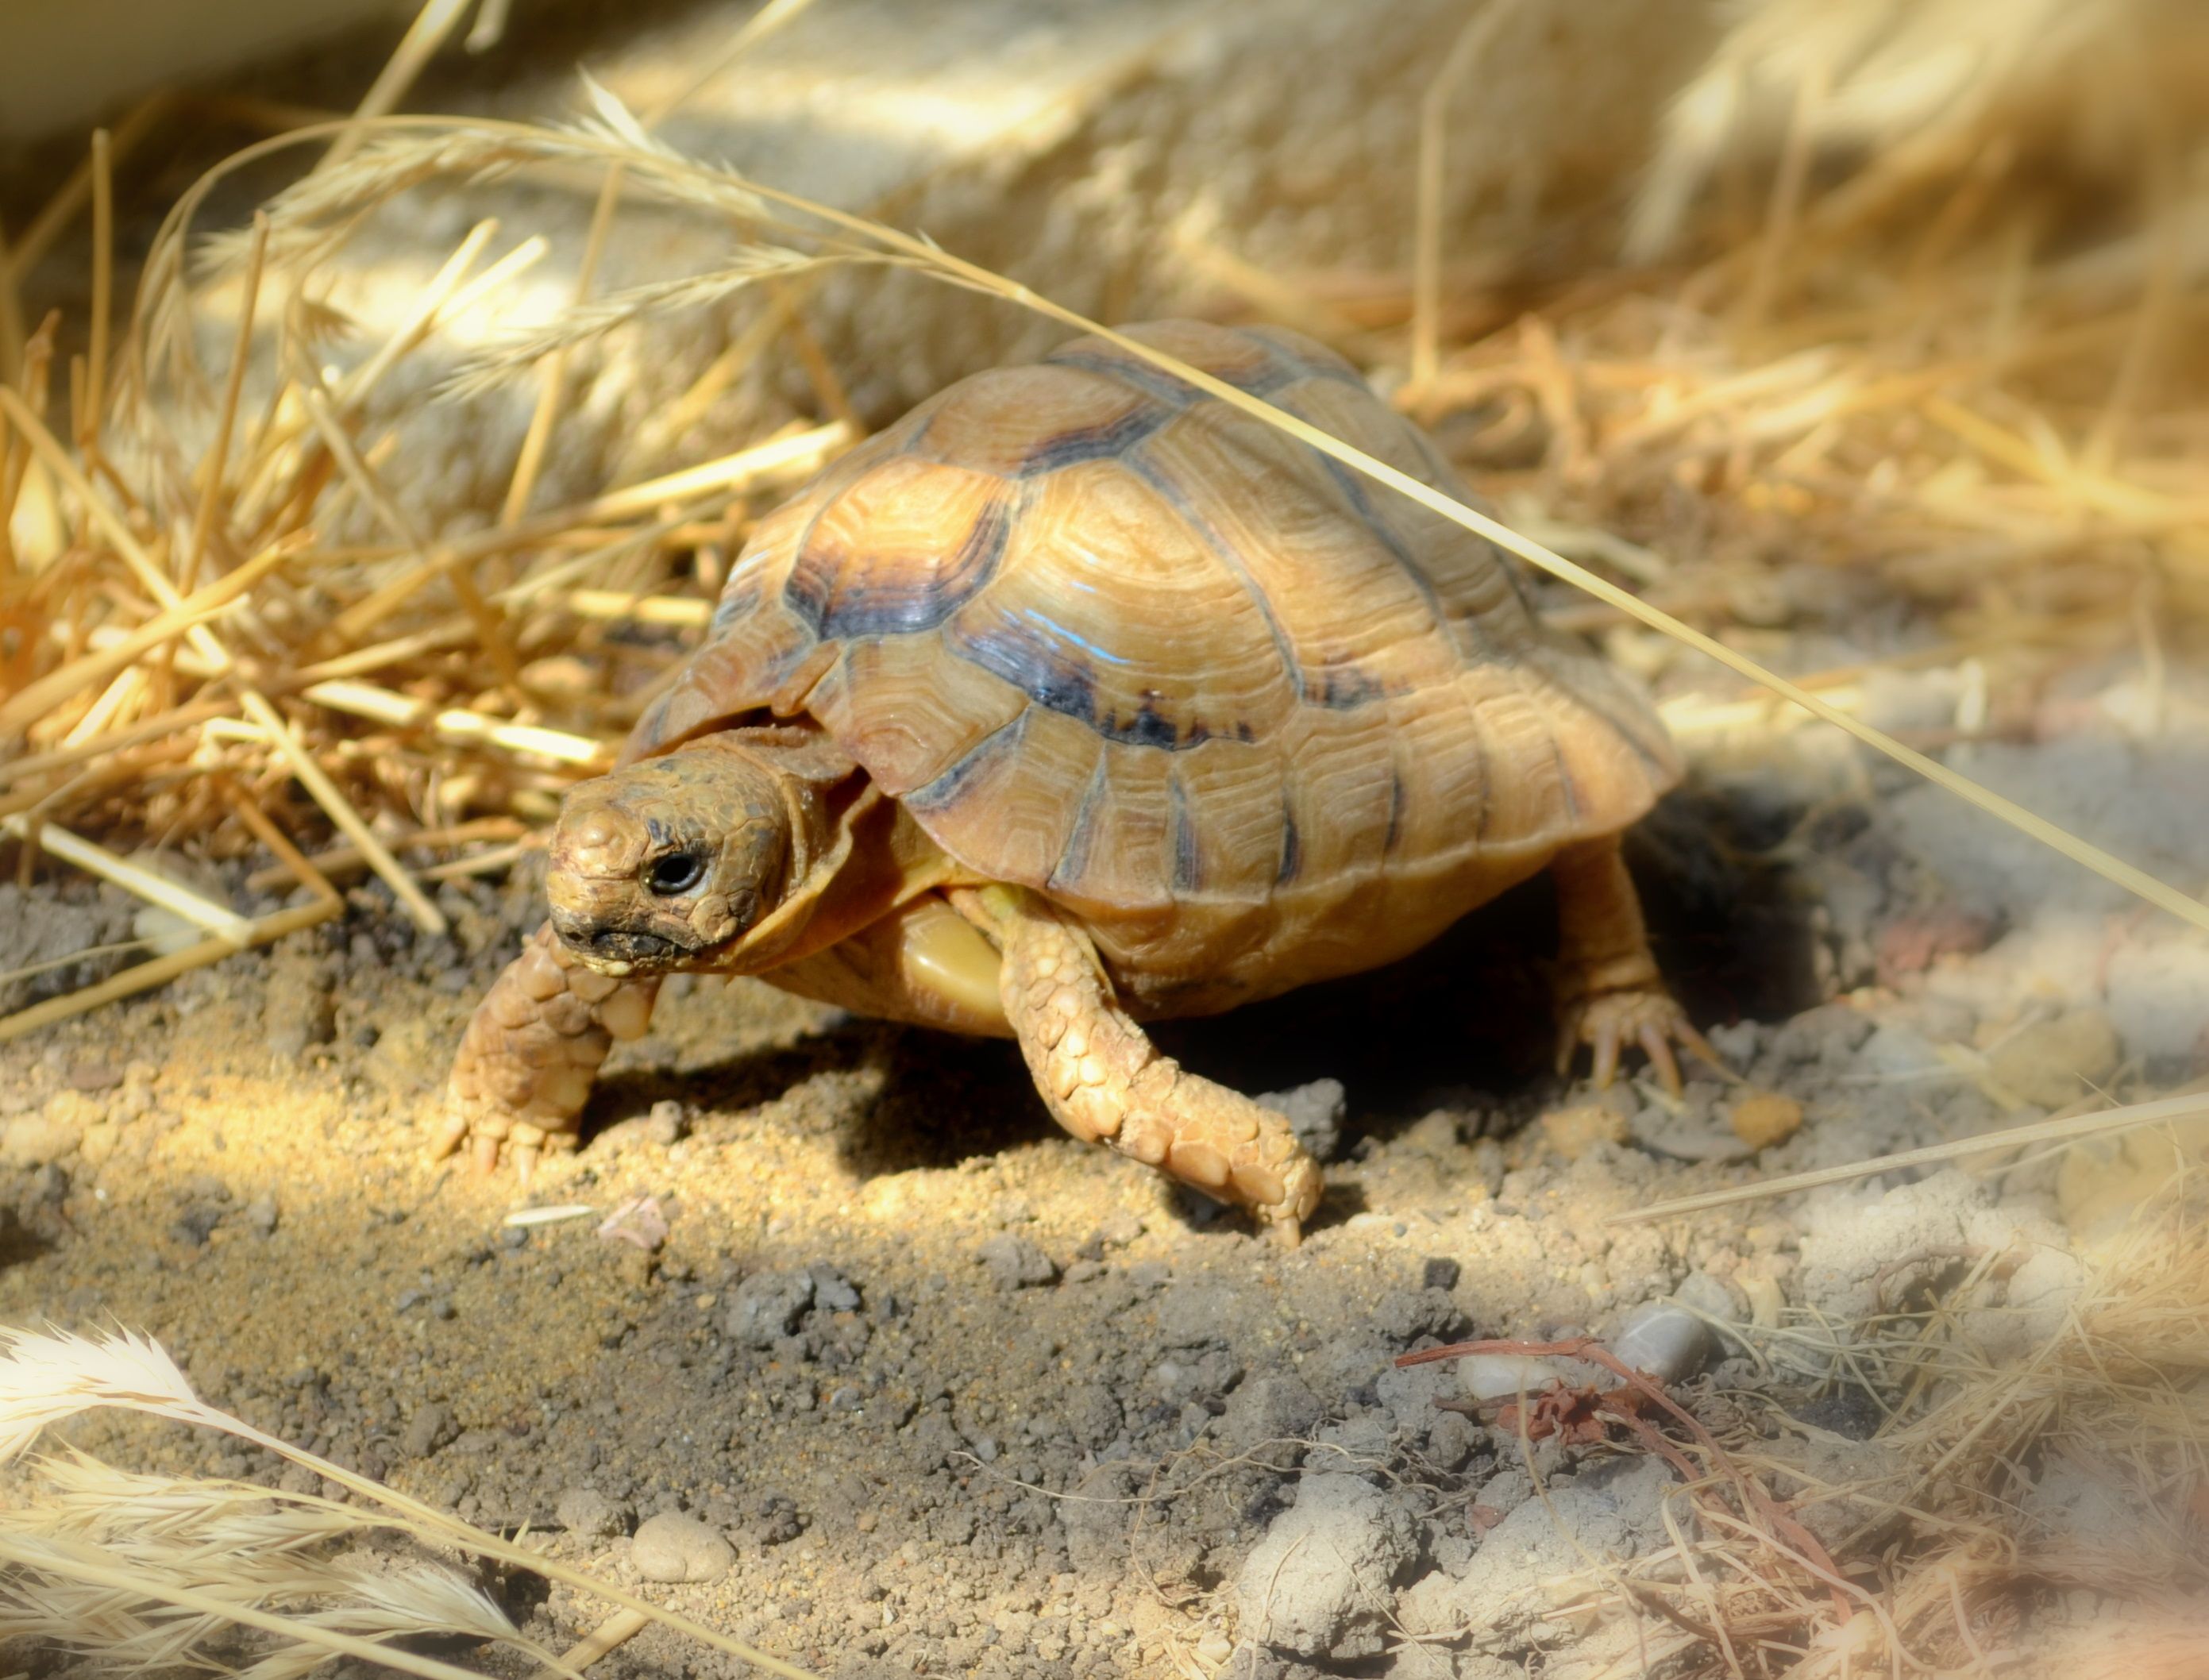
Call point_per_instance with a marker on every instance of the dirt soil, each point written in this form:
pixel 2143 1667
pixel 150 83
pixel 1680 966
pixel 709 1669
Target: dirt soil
pixel 964 1396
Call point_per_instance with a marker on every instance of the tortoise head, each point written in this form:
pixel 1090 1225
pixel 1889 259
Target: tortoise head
pixel 667 864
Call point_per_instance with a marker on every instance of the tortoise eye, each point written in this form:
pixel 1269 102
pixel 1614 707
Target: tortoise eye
pixel 677 872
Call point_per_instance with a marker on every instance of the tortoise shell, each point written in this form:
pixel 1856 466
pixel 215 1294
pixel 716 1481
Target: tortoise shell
pixel 1254 719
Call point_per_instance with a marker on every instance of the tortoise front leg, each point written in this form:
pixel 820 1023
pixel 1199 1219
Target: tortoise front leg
pixel 532 1052
pixel 1610 994
pixel 1104 1081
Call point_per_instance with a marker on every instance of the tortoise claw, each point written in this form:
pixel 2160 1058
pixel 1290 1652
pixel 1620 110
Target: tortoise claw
pixel 1647 1018
pixel 452 1132
pixel 483 1155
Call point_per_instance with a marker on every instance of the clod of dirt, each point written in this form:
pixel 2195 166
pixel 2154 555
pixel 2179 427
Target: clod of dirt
pixel 429 1429
pixel 588 1512
pixel 300 1012
pixel 1612 1511
pixel 1015 1263
pixel 1572 1132
pixel 1859 1258
pixel 1318 1585
pixel 38 928
pixel 2052 1062
pixel 1314 1114
pixel 767 1306
pixel 674 1547
pixel 1280 1410
pixel 35 1140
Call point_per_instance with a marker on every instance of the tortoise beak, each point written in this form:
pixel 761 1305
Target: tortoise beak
pixel 598 942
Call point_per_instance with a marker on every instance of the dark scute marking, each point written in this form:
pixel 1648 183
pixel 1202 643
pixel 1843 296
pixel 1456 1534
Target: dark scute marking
pixel 1073 856
pixel 1396 798
pixel 1288 367
pixel 1277 374
pixel 946 789
pixel 737 601
pixel 1059 679
pixel 656 832
pixel 1188 859
pixel 1150 727
pixel 883 608
pixel 1292 852
pixel 1345 689
pixel 806 591
pixel 1101 442
pixel 1038 667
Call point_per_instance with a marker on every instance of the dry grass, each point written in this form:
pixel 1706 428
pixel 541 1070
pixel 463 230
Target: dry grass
pixel 140 1573
pixel 1948 1567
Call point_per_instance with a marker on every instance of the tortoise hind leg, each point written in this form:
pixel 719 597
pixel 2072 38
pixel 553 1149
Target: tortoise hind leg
pixel 531 1053
pixel 1610 994
pixel 1105 1081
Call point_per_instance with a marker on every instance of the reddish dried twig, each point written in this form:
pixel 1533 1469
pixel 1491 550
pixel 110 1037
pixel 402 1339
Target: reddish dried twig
pixel 1646 1391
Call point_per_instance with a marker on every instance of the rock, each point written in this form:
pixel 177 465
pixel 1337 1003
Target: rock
pixel 1572 1132
pixel 587 1511
pixel 1486 1376
pixel 1315 1113
pixel 1765 1118
pixel 1704 1293
pixel 2052 1062
pixel 767 1307
pixel 1015 1263
pixel 1319 1583
pixel 261 1216
pixel 674 1547
pixel 428 1429
pixel 1667 1341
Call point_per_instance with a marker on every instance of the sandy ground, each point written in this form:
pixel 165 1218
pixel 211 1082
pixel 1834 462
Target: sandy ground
pixel 965 1397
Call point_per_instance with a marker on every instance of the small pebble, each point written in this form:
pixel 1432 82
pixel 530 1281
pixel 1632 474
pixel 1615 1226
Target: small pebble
pixel 1500 1376
pixel 1666 1341
pixel 426 1431
pixel 1766 1118
pixel 673 1547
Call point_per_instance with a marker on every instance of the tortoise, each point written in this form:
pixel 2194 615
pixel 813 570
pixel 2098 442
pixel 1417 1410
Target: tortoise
pixel 1080 698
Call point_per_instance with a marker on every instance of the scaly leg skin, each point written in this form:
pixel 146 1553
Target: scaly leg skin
pixel 1610 994
pixel 1105 1081
pixel 532 1052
